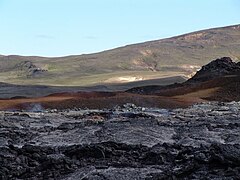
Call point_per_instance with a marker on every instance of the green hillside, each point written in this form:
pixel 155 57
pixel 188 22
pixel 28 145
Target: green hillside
pixel 176 56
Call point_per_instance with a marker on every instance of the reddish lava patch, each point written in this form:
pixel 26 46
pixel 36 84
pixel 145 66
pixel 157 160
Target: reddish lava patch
pixel 93 100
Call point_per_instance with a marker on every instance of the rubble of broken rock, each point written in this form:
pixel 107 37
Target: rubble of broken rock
pixel 128 142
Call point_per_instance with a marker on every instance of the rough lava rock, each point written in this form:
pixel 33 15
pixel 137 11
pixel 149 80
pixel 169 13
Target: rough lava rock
pixel 128 142
pixel 30 68
pixel 217 68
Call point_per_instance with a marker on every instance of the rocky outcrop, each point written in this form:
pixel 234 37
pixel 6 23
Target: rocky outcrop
pixel 221 75
pixel 217 68
pixel 30 68
pixel 126 142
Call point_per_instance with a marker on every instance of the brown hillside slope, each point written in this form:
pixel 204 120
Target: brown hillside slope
pixel 180 55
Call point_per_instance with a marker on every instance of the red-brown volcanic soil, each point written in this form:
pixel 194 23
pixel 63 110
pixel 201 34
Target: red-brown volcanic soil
pixel 97 100
pixel 218 81
pixel 221 89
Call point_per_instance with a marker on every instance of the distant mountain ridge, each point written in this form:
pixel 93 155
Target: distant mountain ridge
pixel 180 55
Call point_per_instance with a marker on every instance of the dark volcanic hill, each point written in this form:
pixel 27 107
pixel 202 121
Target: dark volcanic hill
pixel 218 80
pixel 180 55
pixel 217 68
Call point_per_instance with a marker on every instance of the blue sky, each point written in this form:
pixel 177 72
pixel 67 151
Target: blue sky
pixel 66 27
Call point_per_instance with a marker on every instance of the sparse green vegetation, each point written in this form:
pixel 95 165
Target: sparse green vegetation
pixel 166 56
